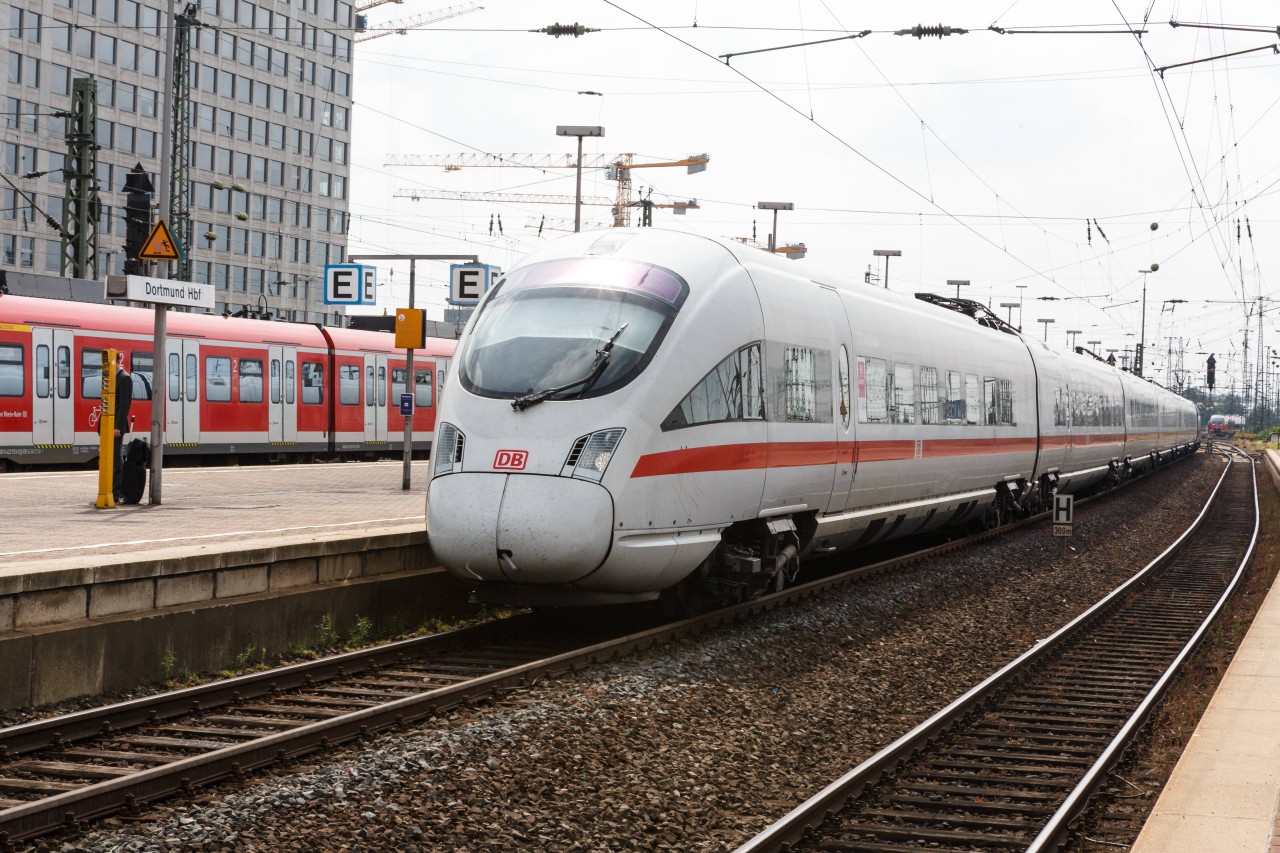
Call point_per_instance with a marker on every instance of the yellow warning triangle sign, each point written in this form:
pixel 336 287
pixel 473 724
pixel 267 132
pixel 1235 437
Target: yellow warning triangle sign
pixel 160 245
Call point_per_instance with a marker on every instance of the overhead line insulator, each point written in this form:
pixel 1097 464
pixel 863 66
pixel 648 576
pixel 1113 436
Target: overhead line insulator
pixel 558 29
pixel 922 31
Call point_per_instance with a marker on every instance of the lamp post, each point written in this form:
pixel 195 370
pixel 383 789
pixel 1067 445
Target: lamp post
pixel 957 283
pixel 1046 321
pixel 775 206
pixel 1009 313
pixel 578 130
pixel 886 254
pixel 1142 338
pixel 1021 292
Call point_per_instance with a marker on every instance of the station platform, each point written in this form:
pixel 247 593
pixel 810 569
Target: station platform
pixel 93 599
pixel 1224 794
pixel 51 522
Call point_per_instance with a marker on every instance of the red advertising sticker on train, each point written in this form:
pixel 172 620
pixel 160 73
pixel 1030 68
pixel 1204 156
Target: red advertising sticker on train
pixel 511 460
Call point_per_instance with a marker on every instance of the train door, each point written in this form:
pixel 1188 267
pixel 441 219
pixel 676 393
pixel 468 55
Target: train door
pixel 182 411
pixel 376 427
pixel 283 420
pixel 51 403
pixel 842 400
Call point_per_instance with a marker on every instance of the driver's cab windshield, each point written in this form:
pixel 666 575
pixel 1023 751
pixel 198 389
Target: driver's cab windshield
pixel 584 325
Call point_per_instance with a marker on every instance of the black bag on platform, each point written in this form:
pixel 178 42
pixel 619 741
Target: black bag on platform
pixel 133 476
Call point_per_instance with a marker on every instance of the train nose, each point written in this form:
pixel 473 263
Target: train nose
pixel 519 527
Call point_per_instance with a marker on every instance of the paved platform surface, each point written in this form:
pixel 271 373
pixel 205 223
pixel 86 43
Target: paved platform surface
pixel 50 521
pixel 1224 792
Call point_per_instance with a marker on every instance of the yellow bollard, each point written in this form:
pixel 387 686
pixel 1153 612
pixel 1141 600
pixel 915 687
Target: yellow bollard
pixel 107 432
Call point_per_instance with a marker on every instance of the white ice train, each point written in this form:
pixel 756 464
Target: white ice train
pixel 636 413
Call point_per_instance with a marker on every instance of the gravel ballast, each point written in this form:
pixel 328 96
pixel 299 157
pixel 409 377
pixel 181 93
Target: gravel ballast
pixel 699 745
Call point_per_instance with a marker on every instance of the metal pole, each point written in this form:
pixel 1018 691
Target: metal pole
pixel 159 358
pixel 773 235
pixel 409 378
pixel 886 272
pixel 411 386
pixel 577 205
pixel 1142 338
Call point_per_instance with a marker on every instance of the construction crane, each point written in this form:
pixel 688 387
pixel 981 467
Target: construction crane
pixel 646 208
pixel 402 26
pixel 645 204
pixel 794 251
pixel 514 198
pixel 617 168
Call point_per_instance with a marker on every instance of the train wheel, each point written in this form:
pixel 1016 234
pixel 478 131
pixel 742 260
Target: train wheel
pixel 684 600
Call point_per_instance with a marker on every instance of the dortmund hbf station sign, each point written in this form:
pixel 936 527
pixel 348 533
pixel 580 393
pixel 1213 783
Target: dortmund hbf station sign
pixel 160 291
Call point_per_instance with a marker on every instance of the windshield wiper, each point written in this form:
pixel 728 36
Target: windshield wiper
pixel 597 369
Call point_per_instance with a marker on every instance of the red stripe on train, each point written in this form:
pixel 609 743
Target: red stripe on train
pixel 745 457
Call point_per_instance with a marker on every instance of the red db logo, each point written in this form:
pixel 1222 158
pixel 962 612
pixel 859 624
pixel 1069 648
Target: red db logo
pixel 511 460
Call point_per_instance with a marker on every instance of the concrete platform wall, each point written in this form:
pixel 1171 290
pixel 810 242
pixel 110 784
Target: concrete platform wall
pixel 86 631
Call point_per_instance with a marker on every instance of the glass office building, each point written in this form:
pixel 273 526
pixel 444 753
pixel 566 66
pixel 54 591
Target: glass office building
pixel 270 91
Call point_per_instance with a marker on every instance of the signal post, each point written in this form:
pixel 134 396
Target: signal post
pixel 338 291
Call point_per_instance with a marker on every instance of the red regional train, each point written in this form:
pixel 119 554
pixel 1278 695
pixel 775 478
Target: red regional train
pixel 234 386
pixel 1225 426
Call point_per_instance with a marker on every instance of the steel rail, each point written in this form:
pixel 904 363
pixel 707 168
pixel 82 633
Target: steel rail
pixel 785 833
pixel 183 775
pixel 1055 830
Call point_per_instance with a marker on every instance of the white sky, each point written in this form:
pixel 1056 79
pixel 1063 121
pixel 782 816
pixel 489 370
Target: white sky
pixel 979 156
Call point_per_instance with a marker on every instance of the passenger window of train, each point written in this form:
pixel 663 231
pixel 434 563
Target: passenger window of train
pixel 312 382
pixel 382 386
pixel 368 384
pixel 250 380
pixel 929 395
pixel 275 381
pixel 289 383
pixel 44 388
pixel 730 392
pixel 397 383
pixel 972 399
pixel 953 407
pixel 191 377
pixel 798 363
pixel 1004 402
pixel 349 384
pixel 175 377
pixel 217 379
pixel 141 368
pixel 989 401
pixel 64 373
pixel 904 394
pixel 1061 408
pixel 422 388
pixel 873 390
pixel 843 367
pixel 12 370
pixel 91 374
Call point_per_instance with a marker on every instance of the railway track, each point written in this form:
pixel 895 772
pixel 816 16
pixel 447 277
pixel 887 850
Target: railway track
pixel 1010 764
pixel 65 771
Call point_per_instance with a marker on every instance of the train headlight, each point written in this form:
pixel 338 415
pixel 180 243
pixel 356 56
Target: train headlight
pixel 592 454
pixel 448 450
